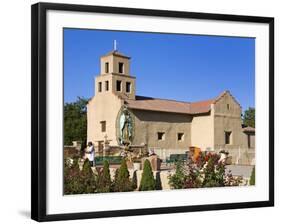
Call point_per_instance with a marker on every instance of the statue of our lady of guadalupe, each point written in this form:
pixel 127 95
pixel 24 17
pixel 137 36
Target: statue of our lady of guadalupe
pixel 125 127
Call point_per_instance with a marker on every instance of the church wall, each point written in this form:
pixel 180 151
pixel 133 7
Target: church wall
pixel 202 131
pixel 227 118
pixel 102 107
pixel 149 123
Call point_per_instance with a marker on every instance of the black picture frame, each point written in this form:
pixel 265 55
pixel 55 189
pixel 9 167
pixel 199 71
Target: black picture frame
pixel 39 122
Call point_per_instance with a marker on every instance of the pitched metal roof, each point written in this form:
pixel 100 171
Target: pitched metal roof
pixel 201 106
pixel 171 106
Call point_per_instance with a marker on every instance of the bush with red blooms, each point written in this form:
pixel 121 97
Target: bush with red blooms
pixel 207 171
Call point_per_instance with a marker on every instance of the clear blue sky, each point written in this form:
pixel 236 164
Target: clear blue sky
pixel 172 66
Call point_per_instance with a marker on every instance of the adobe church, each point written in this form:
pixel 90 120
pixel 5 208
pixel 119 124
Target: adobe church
pixel 117 115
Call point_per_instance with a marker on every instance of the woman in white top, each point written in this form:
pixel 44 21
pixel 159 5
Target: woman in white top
pixel 90 153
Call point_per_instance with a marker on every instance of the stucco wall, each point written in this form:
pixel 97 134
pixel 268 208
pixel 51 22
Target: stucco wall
pixel 112 85
pixel 228 119
pixel 148 123
pixel 113 64
pixel 103 107
pixel 202 131
pixel 253 140
pixel 109 60
pixel 124 79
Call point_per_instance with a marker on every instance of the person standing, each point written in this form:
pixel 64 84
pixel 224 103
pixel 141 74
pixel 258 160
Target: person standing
pixel 90 153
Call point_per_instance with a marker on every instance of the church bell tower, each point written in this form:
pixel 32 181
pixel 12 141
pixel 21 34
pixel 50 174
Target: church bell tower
pixel 115 76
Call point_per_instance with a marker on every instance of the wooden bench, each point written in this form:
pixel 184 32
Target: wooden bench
pixel 176 158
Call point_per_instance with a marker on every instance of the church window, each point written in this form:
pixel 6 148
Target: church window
pixel 180 136
pixel 106 67
pixel 227 137
pixel 121 67
pixel 160 135
pixel 128 87
pixel 106 85
pixel 100 87
pixel 227 106
pixel 118 85
pixel 103 126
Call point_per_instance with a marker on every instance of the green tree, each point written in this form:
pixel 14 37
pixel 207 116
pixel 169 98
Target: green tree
pixel 75 121
pixel 177 181
pixel 249 117
pixel 253 177
pixel 147 180
pixel 104 181
pixel 122 181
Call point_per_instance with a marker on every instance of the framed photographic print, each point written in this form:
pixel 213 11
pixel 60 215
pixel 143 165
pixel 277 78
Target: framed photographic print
pixel 140 111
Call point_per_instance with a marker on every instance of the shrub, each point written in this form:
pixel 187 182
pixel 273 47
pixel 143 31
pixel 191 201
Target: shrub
pixel 87 170
pixel 253 177
pixel 177 181
pixel 230 180
pixel 206 171
pixel 147 180
pixel 193 179
pixel 89 180
pixel 104 181
pixel 122 181
pixel 213 171
pixel 79 182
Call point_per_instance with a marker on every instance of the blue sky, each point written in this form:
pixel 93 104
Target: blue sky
pixel 171 66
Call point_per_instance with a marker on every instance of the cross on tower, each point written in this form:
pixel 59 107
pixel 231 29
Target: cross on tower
pixel 115 45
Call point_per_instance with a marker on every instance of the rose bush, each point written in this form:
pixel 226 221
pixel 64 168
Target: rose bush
pixel 208 170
